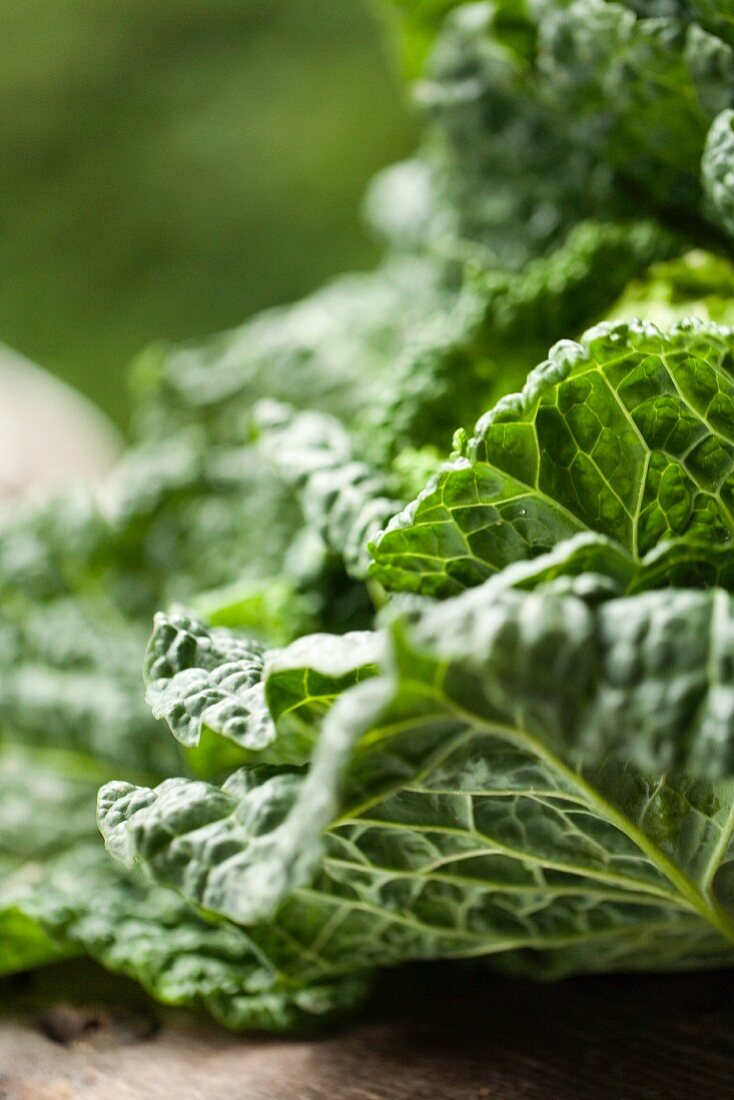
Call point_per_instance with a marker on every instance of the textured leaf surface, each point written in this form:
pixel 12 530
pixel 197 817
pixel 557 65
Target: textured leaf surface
pixel 446 813
pixel 61 895
pixel 343 499
pixel 328 350
pixel 198 677
pixel 213 681
pixel 497 328
pixel 643 92
pixel 628 434
pixel 70 680
pixel 717 170
pixel 150 934
pixel 566 111
pixel 497 785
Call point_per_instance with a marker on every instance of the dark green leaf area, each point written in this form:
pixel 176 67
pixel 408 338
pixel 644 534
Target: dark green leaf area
pixel 716 173
pixel 151 934
pixel 61 895
pixel 670 80
pixel 627 434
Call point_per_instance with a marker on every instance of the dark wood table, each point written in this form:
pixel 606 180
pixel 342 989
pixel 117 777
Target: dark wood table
pixel 430 1033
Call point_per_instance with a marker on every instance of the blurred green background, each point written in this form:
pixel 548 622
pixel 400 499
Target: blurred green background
pixel 170 166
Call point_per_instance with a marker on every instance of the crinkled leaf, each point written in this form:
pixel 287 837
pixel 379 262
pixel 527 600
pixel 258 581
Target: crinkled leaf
pixel 150 934
pixel 628 433
pixel 509 177
pixel 446 812
pixel 48 549
pixel 61 895
pixel 198 677
pixel 564 111
pixel 70 680
pixel 497 329
pixel 459 802
pixel 188 514
pixel 343 499
pixel 642 92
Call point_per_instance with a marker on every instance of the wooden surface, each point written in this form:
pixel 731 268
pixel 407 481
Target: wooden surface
pixel 431 1033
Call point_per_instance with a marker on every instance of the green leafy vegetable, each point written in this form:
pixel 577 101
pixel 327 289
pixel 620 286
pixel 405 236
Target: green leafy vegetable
pixel 628 433
pixel 422 706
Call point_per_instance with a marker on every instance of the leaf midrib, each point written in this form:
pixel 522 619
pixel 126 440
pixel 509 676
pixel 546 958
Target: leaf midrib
pixel 687 895
pixel 705 906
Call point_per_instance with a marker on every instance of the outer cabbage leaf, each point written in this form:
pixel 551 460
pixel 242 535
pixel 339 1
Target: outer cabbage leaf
pixel 208 682
pixel 628 434
pixel 61 895
pixel 442 808
pixel 152 935
pixel 446 811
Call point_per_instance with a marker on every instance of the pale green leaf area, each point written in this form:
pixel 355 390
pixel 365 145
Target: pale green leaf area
pixel 698 284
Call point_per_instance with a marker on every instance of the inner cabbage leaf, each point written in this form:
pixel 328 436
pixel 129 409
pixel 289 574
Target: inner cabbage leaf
pixel 628 433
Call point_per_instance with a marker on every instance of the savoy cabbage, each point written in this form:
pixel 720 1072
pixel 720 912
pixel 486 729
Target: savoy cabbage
pixel 469 699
